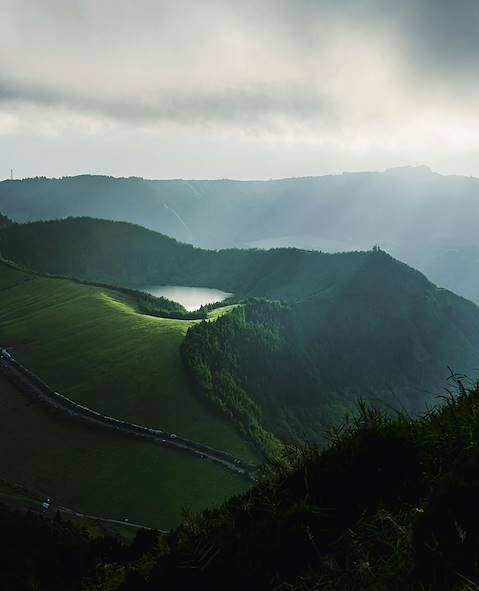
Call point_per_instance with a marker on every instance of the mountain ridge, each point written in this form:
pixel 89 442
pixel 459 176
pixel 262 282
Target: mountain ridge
pixel 344 212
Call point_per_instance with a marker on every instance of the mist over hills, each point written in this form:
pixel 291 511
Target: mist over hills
pixel 421 217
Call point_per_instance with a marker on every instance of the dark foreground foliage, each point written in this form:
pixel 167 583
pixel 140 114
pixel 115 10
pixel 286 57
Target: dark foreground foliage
pixel 390 505
pixel 53 554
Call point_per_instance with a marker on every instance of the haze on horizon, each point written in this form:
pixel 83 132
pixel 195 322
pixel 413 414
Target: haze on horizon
pixel 252 89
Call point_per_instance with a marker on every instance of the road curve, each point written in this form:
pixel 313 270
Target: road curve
pixel 124 523
pixel 39 390
pixel 53 508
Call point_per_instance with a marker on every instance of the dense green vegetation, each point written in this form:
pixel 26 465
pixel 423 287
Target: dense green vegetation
pixel 386 335
pixel 352 325
pixel 124 254
pixel 389 506
pixel 163 308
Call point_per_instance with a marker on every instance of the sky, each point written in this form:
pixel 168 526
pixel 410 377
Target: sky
pixel 237 89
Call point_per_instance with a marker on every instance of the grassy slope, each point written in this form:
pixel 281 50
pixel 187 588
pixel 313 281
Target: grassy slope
pixel 101 473
pixel 92 345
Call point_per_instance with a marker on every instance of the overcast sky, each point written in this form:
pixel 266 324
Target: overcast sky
pixel 241 89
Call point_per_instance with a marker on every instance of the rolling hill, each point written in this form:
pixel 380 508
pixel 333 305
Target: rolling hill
pixel 93 345
pixel 124 254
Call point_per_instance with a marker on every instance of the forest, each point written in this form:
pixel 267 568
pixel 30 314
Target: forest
pixel 123 254
pixel 292 370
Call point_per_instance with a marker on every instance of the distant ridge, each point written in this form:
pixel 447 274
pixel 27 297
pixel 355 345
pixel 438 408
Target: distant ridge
pixel 419 216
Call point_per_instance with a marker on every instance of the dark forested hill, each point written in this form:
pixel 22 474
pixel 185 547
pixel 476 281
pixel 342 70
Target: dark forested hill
pixel 121 253
pixel 423 218
pixel 384 334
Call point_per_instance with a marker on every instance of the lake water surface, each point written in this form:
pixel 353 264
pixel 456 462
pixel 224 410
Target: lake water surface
pixel 190 297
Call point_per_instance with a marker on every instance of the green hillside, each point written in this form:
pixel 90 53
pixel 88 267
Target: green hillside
pixel 101 473
pixel 92 345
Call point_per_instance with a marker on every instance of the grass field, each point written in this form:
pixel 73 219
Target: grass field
pixel 92 345
pixel 103 473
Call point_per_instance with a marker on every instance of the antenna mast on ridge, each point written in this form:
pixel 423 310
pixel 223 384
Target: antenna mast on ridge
pixel 11 174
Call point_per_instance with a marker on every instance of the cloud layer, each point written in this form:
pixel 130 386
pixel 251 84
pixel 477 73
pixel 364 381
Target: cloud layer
pixel 358 79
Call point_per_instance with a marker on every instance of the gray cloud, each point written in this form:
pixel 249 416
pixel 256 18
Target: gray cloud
pixel 168 60
pixel 226 106
pixel 360 77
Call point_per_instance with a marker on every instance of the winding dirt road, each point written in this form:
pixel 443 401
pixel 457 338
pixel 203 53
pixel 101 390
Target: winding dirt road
pixel 39 390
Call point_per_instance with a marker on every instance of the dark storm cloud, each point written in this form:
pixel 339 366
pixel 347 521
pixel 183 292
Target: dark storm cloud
pixel 230 105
